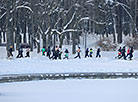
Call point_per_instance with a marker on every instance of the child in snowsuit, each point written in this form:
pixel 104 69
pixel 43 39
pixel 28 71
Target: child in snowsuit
pixel 98 53
pixel 91 52
pixel 66 54
pixel 78 53
pixel 87 53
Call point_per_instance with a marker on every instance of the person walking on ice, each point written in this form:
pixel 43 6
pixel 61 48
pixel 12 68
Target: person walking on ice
pixel 78 53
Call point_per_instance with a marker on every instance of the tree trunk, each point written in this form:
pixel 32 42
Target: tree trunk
pixel 61 39
pixel 119 22
pixel 9 25
pixel 73 43
pixel 114 33
pixel 44 40
pixel 0 37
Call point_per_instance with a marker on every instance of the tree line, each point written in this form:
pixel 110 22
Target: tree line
pixel 46 22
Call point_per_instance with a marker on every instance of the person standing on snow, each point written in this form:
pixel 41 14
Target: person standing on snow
pixel 131 53
pixel 120 49
pixel 48 52
pixel 27 52
pixel 91 52
pixel 123 53
pixel 10 52
pixel 128 52
pixel 60 54
pixel 66 54
pixel 98 53
pixel 53 53
pixel 43 51
pixel 78 53
pixel 119 53
pixel 56 53
pixel 87 53
pixel 20 53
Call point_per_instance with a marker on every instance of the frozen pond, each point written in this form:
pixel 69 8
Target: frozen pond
pixel 70 91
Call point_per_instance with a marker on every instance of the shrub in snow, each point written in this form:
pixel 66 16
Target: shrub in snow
pixel 132 42
pixel 106 44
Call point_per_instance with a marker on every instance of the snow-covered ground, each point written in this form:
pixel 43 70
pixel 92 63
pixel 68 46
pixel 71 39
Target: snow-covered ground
pixel 39 64
pixel 70 91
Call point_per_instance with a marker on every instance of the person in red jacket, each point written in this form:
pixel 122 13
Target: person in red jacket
pixel 128 52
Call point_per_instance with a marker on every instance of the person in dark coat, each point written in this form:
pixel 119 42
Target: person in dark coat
pixel 128 52
pixel 59 55
pixel 98 53
pixel 87 53
pixel 66 54
pixel 119 53
pixel 123 53
pixel 78 53
pixel 10 51
pixel 91 52
pixel 20 53
pixel 27 52
pixel 48 52
pixel 56 53
pixel 53 53
pixel 131 53
pixel 120 49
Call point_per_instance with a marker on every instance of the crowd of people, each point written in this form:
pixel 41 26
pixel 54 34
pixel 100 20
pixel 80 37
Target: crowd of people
pixel 122 53
pixel 20 52
pixel 56 53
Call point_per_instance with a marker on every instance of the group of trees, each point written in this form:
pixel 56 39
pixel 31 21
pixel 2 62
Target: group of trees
pixel 45 22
